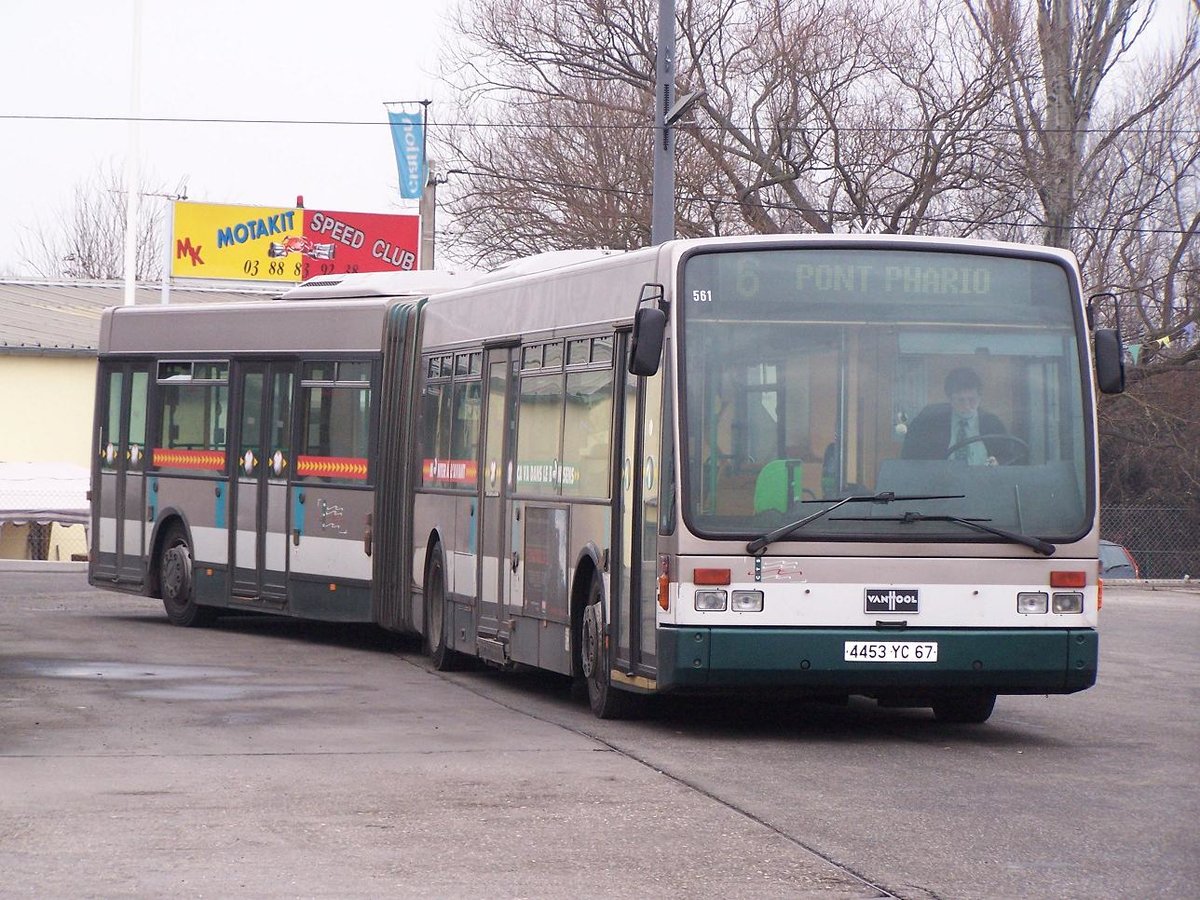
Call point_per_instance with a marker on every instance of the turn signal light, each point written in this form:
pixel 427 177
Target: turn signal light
pixel 711 576
pixel 1068 579
pixel 664 581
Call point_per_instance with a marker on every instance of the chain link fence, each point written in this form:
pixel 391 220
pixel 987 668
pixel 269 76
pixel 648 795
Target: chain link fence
pixel 43 511
pixel 56 541
pixel 1163 540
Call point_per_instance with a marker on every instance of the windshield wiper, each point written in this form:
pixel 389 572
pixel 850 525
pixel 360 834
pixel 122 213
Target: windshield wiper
pixel 1043 547
pixel 759 544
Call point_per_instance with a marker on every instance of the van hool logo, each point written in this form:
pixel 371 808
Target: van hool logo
pixel 894 600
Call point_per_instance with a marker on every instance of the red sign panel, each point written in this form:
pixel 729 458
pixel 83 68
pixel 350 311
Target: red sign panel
pixel 338 242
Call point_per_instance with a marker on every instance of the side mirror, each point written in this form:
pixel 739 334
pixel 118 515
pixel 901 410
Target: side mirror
pixel 1110 361
pixel 645 350
pixel 649 329
pixel 1107 347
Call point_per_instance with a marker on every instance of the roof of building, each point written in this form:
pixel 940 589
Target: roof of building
pixel 63 317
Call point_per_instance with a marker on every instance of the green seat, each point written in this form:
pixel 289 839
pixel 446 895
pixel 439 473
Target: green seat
pixel 779 485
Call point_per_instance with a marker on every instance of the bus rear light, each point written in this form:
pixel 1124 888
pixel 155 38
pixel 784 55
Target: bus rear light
pixel 746 601
pixel 1099 593
pixel 1067 603
pixel 711 576
pixel 1068 579
pixel 711 601
pixel 1032 602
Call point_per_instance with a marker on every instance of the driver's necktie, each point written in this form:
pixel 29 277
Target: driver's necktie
pixel 963 453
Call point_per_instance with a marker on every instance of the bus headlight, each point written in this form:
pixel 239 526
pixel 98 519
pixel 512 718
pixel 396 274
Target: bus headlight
pixel 710 601
pixel 1068 603
pixel 747 601
pixel 1032 602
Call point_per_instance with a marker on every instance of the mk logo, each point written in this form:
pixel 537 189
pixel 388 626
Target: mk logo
pixel 184 248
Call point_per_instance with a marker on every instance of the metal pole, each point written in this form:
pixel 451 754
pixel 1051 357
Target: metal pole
pixel 427 210
pixel 662 201
pixel 131 162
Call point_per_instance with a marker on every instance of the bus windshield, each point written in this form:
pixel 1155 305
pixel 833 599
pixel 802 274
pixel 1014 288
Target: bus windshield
pixel 810 375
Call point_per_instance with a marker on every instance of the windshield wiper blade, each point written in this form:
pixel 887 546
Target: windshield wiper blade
pixel 759 544
pixel 1043 547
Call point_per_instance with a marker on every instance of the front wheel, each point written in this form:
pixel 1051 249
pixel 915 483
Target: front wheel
pixel 176 585
pixel 966 708
pixel 606 701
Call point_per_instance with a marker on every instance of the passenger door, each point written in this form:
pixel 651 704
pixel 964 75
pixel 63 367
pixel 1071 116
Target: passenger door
pixel 258 541
pixel 634 588
pixel 119 510
pixel 495 486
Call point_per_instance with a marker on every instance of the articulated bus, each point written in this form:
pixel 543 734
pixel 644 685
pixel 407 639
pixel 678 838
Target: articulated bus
pixel 828 465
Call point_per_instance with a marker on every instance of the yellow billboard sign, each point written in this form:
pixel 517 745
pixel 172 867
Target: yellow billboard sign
pixel 260 243
pixel 245 243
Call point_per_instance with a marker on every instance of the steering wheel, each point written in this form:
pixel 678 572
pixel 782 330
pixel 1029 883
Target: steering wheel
pixel 1018 455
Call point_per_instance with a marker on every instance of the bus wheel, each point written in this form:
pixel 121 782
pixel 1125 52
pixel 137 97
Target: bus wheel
pixel 436 610
pixel 176 586
pixel 967 707
pixel 606 701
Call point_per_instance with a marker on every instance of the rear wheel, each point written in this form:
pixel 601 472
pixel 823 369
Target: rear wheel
pixel 176 585
pixel 606 701
pixel 967 707
pixel 437 609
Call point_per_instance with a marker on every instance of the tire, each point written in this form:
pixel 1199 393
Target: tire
pixel 605 700
pixel 965 708
pixel 176 585
pixel 443 657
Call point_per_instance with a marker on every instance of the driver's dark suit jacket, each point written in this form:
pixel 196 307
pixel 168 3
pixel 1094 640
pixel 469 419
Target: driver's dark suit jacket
pixel 928 434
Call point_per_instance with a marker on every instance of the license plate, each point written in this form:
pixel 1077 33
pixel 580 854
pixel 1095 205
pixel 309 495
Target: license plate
pixel 891 651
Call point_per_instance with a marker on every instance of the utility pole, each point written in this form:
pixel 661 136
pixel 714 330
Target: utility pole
pixel 662 196
pixel 667 111
pixel 427 211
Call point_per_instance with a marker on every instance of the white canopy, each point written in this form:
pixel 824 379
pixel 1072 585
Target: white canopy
pixel 44 492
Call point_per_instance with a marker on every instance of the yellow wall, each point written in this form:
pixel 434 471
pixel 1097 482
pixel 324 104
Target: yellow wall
pixel 46 407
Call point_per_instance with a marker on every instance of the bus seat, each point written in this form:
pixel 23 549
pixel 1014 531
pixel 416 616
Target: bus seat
pixel 779 485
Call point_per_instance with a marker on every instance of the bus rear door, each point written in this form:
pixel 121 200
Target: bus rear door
pixel 119 523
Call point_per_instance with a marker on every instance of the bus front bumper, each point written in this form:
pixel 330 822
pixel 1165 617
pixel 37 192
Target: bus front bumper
pixel 1002 661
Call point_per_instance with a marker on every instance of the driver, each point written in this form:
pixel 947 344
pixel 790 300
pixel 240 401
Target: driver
pixel 958 430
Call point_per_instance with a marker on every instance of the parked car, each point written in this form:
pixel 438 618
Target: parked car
pixel 1116 561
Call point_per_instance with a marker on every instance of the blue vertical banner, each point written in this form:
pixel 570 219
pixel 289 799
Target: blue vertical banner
pixel 408 136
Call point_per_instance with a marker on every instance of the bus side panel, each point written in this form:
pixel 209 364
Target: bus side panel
pixel 330 565
pixel 433 514
pixel 206 502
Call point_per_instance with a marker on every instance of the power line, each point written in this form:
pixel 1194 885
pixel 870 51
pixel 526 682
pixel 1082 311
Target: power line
pixel 647 125
pixel 840 214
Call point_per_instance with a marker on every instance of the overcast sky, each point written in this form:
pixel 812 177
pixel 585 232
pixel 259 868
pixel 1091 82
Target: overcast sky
pixel 218 59
pixel 227 59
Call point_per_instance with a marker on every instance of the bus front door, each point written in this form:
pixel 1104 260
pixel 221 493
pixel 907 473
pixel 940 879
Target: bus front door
pixel 495 486
pixel 258 541
pixel 634 588
pixel 120 511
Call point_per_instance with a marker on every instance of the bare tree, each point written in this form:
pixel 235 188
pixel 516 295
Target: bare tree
pixel 1060 56
pixel 825 116
pixel 86 240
